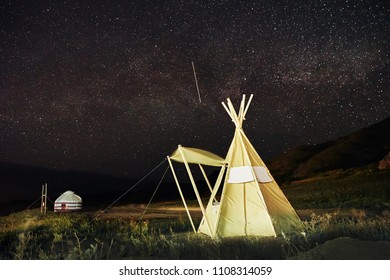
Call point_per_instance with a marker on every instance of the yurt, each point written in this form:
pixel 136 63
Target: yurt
pixel 68 202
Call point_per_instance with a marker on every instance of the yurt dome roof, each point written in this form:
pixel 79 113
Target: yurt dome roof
pixel 69 196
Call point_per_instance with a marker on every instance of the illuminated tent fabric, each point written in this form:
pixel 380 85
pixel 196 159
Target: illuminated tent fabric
pixel 68 201
pixel 197 156
pixel 251 202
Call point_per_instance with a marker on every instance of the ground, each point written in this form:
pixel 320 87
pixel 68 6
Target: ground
pixel 346 248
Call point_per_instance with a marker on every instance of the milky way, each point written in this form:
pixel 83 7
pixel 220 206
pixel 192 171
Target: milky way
pixel 108 87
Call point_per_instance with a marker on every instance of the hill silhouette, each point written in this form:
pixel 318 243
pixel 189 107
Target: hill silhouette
pixel 363 147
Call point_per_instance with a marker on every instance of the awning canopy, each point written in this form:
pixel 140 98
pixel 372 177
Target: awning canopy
pixel 197 156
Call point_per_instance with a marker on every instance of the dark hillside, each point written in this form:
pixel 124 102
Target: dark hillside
pixel 366 146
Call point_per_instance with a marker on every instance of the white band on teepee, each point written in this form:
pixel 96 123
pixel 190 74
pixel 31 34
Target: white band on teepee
pixel 244 174
pixel 262 174
pixel 241 174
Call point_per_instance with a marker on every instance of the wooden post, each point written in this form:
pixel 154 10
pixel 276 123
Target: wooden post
pixel 247 106
pixel 181 194
pixel 206 179
pixel 196 191
pixel 44 199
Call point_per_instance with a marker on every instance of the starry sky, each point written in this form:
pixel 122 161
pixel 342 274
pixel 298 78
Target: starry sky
pixel 108 86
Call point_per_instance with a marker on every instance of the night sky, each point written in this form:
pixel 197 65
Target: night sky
pixel 107 86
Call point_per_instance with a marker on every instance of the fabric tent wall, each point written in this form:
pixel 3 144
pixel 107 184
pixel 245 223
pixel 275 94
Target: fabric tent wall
pixel 242 208
pixel 283 214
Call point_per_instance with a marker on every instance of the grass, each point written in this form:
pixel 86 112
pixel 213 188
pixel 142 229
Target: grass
pixel 363 189
pixel 30 235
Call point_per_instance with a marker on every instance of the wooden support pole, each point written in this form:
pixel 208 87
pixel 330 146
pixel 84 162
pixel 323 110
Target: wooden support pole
pixel 44 199
pixel 241 111
pixel 196 191
pixel 181 193
pixel 227 110
pixel 224 184
pixel 247 106
pixel 233 112
pixel 205 177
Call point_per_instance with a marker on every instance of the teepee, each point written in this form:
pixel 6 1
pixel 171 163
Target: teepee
pixel 250 202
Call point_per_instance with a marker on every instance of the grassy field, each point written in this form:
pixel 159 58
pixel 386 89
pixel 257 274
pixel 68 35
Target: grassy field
pixel 166 235
pixel 364 188
pixel 30 235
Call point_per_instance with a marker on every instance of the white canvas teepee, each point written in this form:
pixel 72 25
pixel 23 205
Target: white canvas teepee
pixel 251 202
